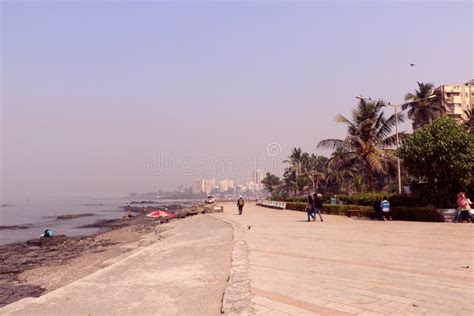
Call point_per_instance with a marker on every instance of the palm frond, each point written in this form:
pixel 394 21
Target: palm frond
pixel 331 144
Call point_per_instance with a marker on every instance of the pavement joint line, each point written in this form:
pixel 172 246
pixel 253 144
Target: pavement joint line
pixel 359 264
pixel 358 242
pixel 327 279
pixel 297 303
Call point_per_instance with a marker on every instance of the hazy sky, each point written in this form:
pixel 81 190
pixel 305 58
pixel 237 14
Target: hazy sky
pixel 97 97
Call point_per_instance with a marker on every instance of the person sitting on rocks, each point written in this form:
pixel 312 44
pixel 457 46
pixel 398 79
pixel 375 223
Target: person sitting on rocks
pixel 47 233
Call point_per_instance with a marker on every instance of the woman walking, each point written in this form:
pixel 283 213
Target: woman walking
pixel 464 208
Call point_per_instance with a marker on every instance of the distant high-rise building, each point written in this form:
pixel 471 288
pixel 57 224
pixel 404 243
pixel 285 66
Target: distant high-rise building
pixel 225 185
pixel 251 186
pixel 208 185
pixel 198 186
pixel 212 183
pixel 457 99
pixel 258 178
pixel 241 188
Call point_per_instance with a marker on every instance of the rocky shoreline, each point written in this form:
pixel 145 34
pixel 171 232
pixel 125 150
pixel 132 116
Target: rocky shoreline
pixel 34 267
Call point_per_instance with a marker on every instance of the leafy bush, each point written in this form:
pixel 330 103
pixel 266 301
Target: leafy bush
pixel 418 214
pixel 341 209
pixel 401 213
pixel 299 198
pixel 329 209
pixel 296 206
pixel 368 199
pixel 405 200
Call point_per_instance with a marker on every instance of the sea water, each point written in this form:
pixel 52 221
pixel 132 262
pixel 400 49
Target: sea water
pixel 41 214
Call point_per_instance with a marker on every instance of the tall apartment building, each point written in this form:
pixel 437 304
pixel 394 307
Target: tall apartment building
pixel 457 99
pixel 258 176
pixel 225 185
pixel 198 186
pixel 209 185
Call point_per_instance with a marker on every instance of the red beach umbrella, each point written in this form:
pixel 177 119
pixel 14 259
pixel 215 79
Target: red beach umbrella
pixel 170 215
pixel 159 214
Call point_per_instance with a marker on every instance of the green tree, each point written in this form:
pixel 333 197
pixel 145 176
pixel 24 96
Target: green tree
pixel 315 168
pixel 294 177
pixel 271 182
pixel 440 160
pixel 343 168
pixel 369 140
pixel 424 105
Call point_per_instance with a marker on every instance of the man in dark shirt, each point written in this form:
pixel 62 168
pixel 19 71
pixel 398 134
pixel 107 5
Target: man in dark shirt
pixel 240 204
pixel 377 210
pixel 310 208
pixel 318 203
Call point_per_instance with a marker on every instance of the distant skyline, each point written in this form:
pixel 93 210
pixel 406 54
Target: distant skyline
pixel 103 99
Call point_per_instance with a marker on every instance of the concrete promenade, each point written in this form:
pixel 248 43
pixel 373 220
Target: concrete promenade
pixel 183 274
pixel 279 264
pixel 352 266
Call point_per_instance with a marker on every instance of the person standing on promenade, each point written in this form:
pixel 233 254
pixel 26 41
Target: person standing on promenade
pixel 310 208
pixel 318 206
pixel 240 204
pixel 459 204
pixel 377 209
pixel 464 208
pixel 385 207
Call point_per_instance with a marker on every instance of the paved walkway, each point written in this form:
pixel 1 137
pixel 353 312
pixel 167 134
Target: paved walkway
pixel 280 265
pixel 351 266
pixel 184 274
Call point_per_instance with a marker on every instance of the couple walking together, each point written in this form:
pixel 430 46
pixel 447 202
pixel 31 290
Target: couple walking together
pixel 315 204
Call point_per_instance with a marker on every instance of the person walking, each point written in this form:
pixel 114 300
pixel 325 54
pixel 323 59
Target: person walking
pixel 240 204
pixel 377 209
pixel 464 207
pixel 459 204
pixel 310 208
pixel 385 207
pixel 318 206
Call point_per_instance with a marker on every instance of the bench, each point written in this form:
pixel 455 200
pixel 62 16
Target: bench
pixel 272 204
pixel 357 213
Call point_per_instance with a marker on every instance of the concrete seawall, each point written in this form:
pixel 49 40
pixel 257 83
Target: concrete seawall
pixel 184 274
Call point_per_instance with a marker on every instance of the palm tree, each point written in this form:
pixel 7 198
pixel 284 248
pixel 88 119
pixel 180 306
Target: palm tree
pixel 424 105
pixel 271 182
pixel 292 176
pixel 342 170
pixel 469 123
pixel 369 141
pixel 295 160
pixel 290 182
pixel 315 169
